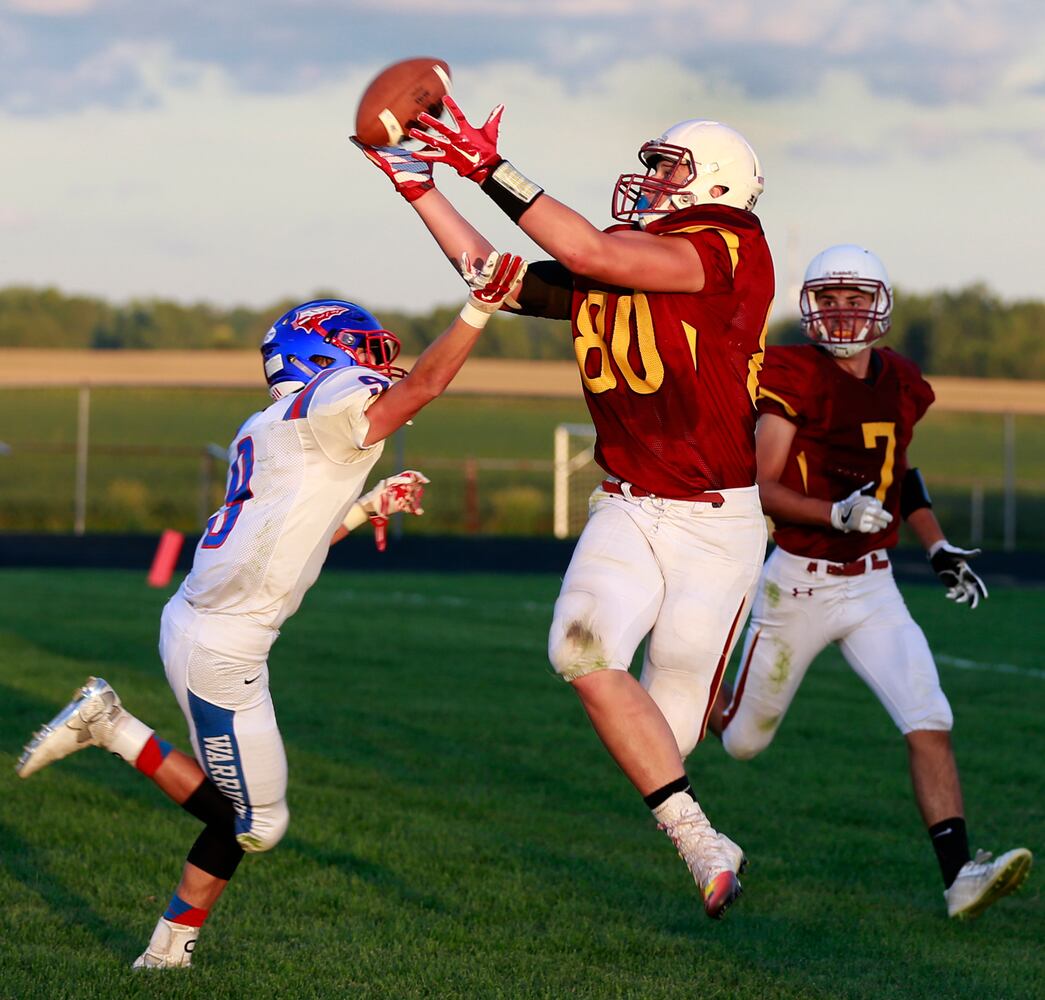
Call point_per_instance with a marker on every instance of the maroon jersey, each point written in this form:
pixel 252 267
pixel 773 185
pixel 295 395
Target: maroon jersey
pixel 849 432
pixel 670 378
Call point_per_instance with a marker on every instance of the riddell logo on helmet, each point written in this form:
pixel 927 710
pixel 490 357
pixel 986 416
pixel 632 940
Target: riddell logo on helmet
pixel 311 318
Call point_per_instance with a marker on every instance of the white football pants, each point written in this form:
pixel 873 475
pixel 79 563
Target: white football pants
pixel 216 666
pixel 680 574
pixel 796 614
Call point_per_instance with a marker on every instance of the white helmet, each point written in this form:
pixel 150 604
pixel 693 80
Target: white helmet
pixel 701 154
pixel 846 331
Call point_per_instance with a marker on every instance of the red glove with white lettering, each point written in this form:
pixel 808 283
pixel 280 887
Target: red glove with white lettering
pixel 400 494
pixel 491 281
pixel 471 151
pixel 410 176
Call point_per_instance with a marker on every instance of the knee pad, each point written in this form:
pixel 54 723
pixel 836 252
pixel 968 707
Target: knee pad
pixel 264 828
pixel 216 852
pixel 744 745
pixel 574 646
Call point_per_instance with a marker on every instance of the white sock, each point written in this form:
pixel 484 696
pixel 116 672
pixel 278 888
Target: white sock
pixel 128 737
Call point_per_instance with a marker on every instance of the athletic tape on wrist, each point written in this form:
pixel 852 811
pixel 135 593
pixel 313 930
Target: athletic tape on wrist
pixel 355 517
pixel 473 316
pixel 512 192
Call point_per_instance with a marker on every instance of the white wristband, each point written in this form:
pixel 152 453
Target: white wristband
pixel 355 517
pixel 474 317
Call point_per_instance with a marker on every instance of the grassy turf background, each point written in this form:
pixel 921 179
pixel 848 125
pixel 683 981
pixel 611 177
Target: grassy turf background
pixel 458 831
pixel 145 465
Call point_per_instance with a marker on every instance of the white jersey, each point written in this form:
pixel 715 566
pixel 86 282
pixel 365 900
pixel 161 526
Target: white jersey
pixel 294 471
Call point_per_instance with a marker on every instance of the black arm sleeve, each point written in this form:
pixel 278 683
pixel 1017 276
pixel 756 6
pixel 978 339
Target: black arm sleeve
pixel 913 494
pixel 547 291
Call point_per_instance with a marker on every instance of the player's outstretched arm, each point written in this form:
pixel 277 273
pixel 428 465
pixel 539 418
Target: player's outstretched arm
pixel 490 281
pixel 399 494
pixel 665 265
pixel 412 179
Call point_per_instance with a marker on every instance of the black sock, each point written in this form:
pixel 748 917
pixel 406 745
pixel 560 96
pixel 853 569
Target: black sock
pixel 951 844
pixel 661 795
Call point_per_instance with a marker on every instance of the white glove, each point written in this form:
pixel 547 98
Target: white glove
pixel 860 512
pixel 963 585
pixel 399 494
pixel 491 282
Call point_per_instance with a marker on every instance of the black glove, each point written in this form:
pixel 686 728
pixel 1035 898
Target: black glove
pixel 949 564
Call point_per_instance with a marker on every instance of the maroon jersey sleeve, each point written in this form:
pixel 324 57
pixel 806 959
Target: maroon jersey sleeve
pixel 786 385
pixel 712 245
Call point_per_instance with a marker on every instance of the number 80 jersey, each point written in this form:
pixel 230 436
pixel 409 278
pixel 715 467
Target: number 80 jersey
pixel 295 468
pixel 670 377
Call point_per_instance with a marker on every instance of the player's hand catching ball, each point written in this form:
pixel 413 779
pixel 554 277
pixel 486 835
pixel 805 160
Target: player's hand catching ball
pixel 471 151
pixel 399 494
pixel 410 176
pixel 948 563
pixel 860 512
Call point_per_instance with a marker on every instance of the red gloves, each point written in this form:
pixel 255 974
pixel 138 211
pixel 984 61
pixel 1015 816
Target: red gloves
pixel 471 151
pixel 409 175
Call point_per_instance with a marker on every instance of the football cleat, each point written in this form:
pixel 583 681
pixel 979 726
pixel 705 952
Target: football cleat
pixel 712 858
pixel 982 881
pixel 170 947
pixel 88 720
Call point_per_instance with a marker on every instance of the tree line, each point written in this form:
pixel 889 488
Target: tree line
pixel 968 332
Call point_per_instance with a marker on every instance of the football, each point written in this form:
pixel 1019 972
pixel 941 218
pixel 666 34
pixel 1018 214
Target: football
pixel 397 95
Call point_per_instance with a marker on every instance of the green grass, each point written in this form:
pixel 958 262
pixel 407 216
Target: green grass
pixel 458 831
pixel 146 462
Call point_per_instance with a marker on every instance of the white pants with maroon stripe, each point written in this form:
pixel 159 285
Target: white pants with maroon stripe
pixel 217 667
pixel 678 573
pixel 796 614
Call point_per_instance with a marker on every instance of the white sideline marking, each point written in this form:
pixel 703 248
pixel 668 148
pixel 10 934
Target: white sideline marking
pixel 443 600
pixel 995 668
pixel 450 600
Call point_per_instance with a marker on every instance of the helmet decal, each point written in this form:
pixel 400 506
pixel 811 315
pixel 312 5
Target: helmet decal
pixel 324 334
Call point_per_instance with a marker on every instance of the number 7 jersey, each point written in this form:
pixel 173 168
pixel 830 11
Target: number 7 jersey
pixel 849 432
pixel 670 378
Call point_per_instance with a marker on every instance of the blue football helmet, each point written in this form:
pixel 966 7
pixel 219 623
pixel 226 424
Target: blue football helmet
pixel 323 334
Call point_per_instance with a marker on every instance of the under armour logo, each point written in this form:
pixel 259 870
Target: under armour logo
pixel 801 591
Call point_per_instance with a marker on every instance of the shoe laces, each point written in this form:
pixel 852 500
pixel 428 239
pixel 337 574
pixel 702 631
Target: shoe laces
pixel 698 844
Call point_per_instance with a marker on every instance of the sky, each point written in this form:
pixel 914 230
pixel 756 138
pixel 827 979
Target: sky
pixel 198 150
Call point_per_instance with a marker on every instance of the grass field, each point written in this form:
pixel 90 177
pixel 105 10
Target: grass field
pixel 147 445
pixel 457 830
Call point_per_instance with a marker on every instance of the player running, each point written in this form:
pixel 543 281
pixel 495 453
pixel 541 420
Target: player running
pixel 669 311
pixel 836 419
pixel 296 473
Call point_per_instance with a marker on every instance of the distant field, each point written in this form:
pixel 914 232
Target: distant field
pixel 457 830
pixel 147 470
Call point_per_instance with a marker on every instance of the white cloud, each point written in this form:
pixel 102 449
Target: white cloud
pixel 54 8
pixel 192 187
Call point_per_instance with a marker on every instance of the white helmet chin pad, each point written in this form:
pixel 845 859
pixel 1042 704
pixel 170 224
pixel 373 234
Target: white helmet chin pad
pixel 846 331
pixel 703 155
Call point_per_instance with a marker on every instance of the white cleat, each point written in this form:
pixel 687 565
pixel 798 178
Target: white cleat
pixel 170 947
pixel 982 882
pixel 737 858
pixel 712 858
pixel 88 720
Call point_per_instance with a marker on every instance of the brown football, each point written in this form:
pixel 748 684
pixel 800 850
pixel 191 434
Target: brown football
pixel 397 95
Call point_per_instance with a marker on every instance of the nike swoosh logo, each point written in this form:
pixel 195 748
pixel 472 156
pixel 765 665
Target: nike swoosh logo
pixel 845 517
pixel 943 833
pixel 252 680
